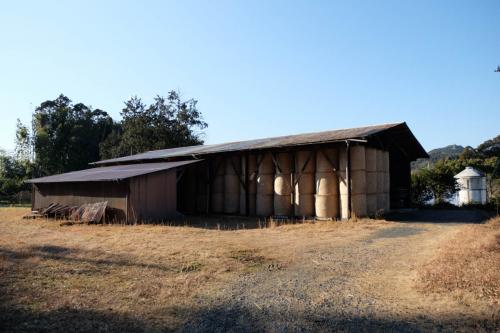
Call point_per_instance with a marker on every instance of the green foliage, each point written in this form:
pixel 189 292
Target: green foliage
pixel 110 147
pixel 13 173
pixel 468 153
pixel 432 178
pixel 66 136
pixel 420 193
pixel 23 142
pixel 490 148
pixel 166 123
pixel 437 182
pixel 438 154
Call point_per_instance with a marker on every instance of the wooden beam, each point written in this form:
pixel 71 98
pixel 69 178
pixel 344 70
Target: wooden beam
pixel 311 152
pixel 348 178
pixel 332 164
pixel 247 195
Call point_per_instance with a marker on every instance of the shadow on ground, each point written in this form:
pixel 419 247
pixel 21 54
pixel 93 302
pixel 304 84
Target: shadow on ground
pixel 439 216
pixel 227 222
pixel 15 319
pixel 224 319
pixel 76 256
pixel 230 319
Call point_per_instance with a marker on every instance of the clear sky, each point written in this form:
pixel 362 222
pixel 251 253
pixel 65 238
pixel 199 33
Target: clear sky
pixel 263 68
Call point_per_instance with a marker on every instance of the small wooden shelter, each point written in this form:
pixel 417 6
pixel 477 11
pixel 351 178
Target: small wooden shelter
pixel 134 192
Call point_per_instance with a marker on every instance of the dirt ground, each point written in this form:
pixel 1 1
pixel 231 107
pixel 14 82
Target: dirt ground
pixel 327 276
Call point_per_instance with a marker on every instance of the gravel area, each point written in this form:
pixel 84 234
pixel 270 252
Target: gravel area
pixel 364 285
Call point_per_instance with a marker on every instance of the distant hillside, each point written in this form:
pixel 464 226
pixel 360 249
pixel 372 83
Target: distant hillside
pixel 490 147
pixel 437 154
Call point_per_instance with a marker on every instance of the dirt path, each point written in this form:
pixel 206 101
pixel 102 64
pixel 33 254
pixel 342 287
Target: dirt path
pixel 364 284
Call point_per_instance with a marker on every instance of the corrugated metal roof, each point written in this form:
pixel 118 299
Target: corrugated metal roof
pixel 282 141
pixel 110 173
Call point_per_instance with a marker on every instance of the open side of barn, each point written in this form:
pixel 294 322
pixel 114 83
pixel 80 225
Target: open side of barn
pixel 326 175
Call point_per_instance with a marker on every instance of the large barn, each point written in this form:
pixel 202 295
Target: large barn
pixel 326 175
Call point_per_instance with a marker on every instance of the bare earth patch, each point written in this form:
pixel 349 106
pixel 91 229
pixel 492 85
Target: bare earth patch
pixel 326 276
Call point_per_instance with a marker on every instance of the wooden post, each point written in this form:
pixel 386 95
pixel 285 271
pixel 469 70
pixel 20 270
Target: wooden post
pixel 127 203
pixel 348 178
pixel 33 188
pixel 292 183
pixel 247 195
pixel 209 185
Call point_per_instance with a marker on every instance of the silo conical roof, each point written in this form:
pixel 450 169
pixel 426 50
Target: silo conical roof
pixel 469 172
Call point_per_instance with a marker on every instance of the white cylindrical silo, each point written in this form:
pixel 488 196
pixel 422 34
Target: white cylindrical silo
pixel 473 190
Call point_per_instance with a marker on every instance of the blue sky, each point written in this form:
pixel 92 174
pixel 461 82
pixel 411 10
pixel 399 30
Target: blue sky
pixel 263 68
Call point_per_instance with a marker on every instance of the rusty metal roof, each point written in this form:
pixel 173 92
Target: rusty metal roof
pixel 400 131
pixel 110 173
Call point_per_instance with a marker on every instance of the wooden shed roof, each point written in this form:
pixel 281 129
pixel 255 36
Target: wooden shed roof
pixel 110 173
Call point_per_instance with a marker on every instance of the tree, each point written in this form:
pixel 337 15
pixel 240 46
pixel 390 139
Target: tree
pixel 437 182
pixel 490 148
pixel 66 137
pixel 110 147
pixel 468 153
pixel 420 191
pixel 442 182
pixel 166 123
pixel 23 142
pixel 12 177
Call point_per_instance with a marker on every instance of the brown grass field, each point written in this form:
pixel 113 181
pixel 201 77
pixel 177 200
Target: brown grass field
pixel 321 276
pixel 468 266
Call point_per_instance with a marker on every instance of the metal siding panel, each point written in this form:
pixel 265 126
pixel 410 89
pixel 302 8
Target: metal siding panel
pixel 154 196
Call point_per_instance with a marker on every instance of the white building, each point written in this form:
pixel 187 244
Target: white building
pixel 472 187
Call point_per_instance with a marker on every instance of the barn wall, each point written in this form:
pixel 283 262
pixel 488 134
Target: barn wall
pixel 153 196
pixel 79 193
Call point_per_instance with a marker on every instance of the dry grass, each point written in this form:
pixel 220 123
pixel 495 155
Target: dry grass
pixel 150 276
pixel 468 266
